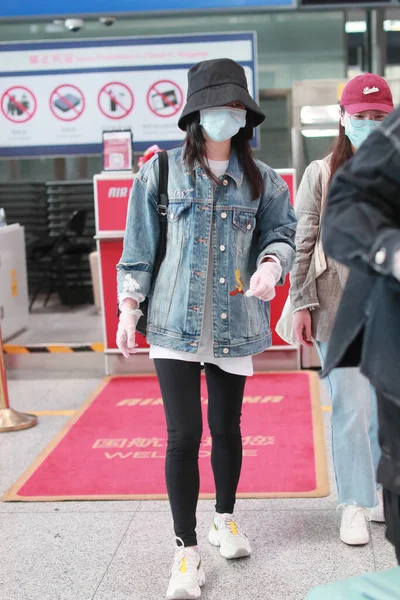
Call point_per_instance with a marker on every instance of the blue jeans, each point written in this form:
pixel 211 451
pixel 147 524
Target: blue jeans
pixel 355 445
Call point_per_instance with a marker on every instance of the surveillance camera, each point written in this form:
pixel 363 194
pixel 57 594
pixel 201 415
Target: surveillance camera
pixel 107 21
pixel 74 24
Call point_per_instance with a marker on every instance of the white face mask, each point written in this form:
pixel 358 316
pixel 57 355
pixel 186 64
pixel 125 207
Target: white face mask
pixel 222 123
pixel 358 135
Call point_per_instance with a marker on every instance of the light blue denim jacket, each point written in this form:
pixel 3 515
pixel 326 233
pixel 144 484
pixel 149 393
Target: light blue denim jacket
pixel 243 232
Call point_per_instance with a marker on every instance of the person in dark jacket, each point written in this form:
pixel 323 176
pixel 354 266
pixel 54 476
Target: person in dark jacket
pixel 361 229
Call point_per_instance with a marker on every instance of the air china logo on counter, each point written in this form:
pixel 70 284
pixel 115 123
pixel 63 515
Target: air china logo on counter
pixel 118 192
pixel 112 199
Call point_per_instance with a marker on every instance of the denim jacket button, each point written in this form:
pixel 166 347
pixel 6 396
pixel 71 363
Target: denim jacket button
pixel 222 248
pixel 249 226
pixel 225 182
pixel 225 350
pixel 224 316
pixel 223 215
pixel 222 280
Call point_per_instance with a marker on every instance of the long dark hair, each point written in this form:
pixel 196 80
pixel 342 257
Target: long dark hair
pixel 342 150
pixel 195 150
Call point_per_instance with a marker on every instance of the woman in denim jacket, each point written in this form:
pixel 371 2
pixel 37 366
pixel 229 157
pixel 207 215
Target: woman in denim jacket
pixel 230 240
pixel 365 102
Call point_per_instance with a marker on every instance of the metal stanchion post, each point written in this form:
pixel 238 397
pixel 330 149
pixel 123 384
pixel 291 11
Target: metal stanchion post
pixel 10 420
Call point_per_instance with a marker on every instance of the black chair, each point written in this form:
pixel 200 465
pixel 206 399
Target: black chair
pixel 59 256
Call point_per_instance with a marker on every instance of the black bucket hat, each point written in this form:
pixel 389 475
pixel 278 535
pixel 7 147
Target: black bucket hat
pixel 215 83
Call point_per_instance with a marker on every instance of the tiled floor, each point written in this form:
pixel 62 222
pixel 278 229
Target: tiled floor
pixel 123 550
pixel 61 324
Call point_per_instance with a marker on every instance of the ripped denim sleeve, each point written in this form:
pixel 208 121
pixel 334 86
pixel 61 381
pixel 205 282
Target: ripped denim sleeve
pixel 134 270
pixel 134 279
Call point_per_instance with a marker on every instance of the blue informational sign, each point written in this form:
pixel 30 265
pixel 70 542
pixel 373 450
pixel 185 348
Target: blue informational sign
pixel 74 8
pixel 56 98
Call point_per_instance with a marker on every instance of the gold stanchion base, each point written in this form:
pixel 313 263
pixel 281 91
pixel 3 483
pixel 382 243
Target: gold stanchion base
pixel 11 420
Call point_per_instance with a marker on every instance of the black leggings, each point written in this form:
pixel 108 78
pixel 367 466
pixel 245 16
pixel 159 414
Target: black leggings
pixel 180 388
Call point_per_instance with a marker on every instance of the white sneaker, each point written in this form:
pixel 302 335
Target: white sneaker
pixel 226 534
pixel 354 530
pixel 187 575
pixel 377 514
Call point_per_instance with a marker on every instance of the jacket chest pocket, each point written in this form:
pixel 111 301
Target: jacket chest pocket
pixel 179 219
pixel 244 223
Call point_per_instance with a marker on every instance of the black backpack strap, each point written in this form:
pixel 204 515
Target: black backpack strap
pixel 162 207
pixel 163 184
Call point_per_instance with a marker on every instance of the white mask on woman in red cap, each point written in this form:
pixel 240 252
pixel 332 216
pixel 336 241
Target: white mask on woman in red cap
pixel 365 102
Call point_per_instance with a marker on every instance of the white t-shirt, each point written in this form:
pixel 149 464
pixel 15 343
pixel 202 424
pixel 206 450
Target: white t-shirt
pixel 236 365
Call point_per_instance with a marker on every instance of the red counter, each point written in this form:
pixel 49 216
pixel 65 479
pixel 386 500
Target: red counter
pixel 289 175
pixel 111 192
pixel 111 197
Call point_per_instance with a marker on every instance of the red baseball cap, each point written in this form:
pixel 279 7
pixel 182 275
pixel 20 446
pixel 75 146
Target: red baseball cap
pixel 367 92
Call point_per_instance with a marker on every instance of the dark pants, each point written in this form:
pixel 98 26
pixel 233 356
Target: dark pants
pixel 389 466
pixel 180 388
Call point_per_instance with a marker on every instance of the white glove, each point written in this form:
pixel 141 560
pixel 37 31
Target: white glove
pixel 396 264
pixel 264 280
pixel 133 295
pixel 128 320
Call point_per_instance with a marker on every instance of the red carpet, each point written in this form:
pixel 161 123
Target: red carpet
pixel 114 447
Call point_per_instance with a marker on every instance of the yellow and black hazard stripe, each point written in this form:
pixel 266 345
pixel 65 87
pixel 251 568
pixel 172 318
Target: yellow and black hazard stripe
pixel 53 349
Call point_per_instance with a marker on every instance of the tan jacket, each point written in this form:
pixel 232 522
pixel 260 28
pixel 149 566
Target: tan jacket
pixel 321 295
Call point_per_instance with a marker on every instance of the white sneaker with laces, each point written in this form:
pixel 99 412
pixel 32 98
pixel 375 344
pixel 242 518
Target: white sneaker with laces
pixel 377 514
pixel 187 575
pixel 226 535
pixel 354 530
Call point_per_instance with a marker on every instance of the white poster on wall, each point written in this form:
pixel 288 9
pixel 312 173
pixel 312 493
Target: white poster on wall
pixel 56 98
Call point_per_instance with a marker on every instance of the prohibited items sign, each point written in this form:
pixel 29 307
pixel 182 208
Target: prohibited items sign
pixel 115 100
pixel 165 98
pixel 18 104
pixel 67 102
